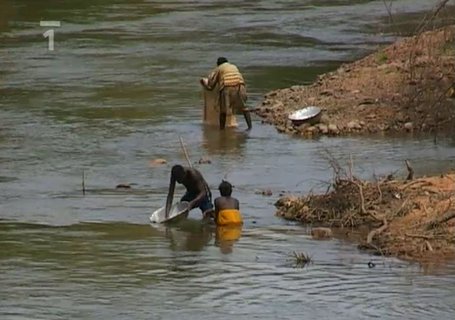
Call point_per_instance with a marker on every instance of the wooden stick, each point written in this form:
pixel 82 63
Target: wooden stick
pixel 185 152
pixel 377 231
pixel 410 170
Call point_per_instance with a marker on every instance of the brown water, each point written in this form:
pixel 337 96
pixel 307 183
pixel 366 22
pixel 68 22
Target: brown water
pixel 118 91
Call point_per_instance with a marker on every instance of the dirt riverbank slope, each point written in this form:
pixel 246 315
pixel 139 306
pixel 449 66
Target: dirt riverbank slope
pixel 406 86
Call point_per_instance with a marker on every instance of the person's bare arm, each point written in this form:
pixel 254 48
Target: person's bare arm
pixel 170 196
pixel 212 80
pixel 200 186
pixel 237 205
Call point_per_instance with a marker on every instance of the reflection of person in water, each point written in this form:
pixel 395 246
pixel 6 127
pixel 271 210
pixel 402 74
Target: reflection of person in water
pixel 228 218
pixel 226 141
pixel 189 235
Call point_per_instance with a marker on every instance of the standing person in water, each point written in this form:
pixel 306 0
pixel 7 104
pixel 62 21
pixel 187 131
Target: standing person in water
pixel 227 208
pixel 228 80
pixel 197 191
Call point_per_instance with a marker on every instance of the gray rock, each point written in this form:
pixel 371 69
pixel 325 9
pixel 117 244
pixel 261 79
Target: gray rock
pixel 408 126
pixel 321 233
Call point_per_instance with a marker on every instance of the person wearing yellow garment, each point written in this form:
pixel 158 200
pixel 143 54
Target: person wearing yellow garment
pixel 228 218
pixel 227 78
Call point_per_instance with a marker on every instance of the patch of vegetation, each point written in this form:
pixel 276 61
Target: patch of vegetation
pixel 381 57
pixel 301 259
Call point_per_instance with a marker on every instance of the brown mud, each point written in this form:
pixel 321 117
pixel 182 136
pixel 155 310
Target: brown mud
pixel 408 86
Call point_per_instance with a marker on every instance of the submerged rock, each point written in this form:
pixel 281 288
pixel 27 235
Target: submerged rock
pixel 321 233
pixel 157 162
pixel 123 186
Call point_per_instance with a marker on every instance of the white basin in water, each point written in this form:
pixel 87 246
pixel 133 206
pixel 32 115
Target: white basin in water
pixel 178 210
pixel 305 114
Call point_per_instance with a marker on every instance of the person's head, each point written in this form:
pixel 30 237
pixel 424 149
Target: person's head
pixel 225 189
pixel 178 173
pixel 221 60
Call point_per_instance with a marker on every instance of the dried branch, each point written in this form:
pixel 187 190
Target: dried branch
pixel 429 18
pixel 377 231
pixel 410 171
pixel 436 222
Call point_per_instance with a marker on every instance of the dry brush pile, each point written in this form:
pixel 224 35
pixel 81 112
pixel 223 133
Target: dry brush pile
pixel 406 218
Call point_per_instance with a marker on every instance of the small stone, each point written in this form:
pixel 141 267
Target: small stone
pixel 278 105
pixel 324 119
pixel 354 125
pixel 204 160
pixel 157 162
pixel 326 93
pixel 311 129
pixel 408 126
pixel 362 123
pixel 323 128
pixel 355 91
pixel 333 129
pixel 321 233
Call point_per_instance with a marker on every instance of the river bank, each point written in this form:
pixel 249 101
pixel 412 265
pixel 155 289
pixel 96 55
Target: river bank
pixel 406 218
pixel 407 86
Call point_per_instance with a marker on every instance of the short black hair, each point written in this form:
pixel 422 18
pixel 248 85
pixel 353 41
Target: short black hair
pixel 178 171
pixel 221 60
pixel 225 188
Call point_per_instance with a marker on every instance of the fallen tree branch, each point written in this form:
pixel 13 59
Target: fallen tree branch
pixel 410 170
pixel 362 198
pixel 436 222
pixel 419 236
pixel 377 231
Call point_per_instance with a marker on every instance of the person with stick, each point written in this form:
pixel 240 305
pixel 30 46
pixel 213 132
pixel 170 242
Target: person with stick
pixel 197 190
pixel 228 80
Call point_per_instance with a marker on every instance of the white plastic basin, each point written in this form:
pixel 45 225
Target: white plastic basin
pixel 178 210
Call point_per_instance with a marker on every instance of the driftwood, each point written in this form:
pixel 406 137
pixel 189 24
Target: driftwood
pixel 410 170
pixel 377 231
pixel 436 222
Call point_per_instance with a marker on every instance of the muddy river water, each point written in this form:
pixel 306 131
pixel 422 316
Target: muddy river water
pixel 119 88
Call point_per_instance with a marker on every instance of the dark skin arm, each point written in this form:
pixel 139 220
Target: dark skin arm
pixel 170 196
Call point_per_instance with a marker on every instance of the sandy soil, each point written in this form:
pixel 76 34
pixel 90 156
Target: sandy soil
pixel 405 87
